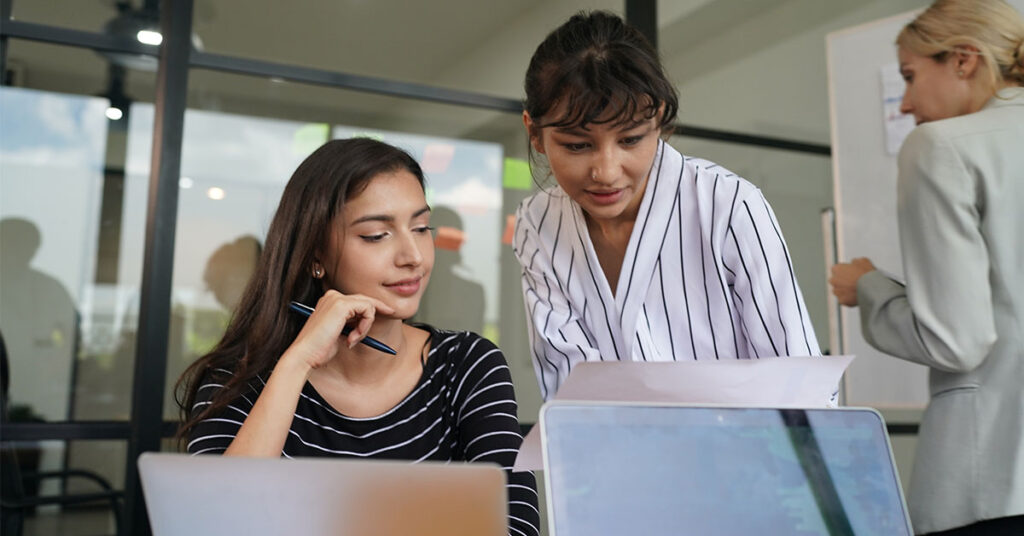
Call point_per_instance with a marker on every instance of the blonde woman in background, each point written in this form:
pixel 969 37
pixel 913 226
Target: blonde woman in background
pixel 961 313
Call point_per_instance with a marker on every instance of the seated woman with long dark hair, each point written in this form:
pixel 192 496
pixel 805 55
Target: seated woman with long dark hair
pixel 352 239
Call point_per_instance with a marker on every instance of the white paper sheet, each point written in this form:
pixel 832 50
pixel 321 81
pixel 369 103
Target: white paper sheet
pixel 806 382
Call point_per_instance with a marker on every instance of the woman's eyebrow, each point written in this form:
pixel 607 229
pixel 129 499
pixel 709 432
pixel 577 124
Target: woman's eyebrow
pixel 387 218
pixel 583 131
pixel 635 123
pixel 576 130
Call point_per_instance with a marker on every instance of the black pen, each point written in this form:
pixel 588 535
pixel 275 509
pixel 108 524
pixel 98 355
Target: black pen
pixel 306 310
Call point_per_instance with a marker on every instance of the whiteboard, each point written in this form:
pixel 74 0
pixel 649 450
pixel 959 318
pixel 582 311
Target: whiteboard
pixel 864 190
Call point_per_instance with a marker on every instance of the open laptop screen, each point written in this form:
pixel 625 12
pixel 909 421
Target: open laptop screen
pixel 642 469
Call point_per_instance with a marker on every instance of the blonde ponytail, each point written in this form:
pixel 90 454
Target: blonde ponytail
pixel 1015 71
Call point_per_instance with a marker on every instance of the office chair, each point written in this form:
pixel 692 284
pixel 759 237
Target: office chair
pixel 15 503
pixel 18 496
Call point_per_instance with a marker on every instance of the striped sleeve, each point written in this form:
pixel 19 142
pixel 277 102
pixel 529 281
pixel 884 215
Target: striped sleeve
pixel 773 313
pixel 558 337
pixel 214 434
pixel 488 428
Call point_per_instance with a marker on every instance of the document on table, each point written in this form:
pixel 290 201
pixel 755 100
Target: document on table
pixel 806 382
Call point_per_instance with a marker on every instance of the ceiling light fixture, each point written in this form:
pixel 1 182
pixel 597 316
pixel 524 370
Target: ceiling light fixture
pixel 139 24
pixel 149 37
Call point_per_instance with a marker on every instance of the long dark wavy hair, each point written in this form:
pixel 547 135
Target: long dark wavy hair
pixel 262 327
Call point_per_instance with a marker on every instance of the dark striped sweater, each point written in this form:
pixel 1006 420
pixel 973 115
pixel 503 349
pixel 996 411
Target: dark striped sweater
pixel 462 409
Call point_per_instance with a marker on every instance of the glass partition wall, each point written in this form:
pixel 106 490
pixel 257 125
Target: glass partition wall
pixel 77 167
pixel 63 295
pixel 111 288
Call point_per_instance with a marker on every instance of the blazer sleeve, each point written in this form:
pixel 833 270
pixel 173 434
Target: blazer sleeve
pixel 943 318
pixel 774 316
pixel 559 338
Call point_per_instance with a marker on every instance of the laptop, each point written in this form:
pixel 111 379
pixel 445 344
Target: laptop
pixel 653 469
pixel 196 495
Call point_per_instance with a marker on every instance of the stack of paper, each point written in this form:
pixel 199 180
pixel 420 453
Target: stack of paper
pixel 778 382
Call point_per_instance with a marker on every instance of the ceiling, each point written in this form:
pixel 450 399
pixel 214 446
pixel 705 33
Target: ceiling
pixel 475 45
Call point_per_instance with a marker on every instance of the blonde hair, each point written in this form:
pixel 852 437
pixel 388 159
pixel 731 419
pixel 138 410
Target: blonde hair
pixel 993 27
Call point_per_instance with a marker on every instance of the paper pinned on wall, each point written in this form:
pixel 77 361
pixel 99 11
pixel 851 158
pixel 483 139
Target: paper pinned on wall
pixel 510 229
pixel 805 382
pixel 897 124
pixel 517 175
pixel 437 156
pixel 449 238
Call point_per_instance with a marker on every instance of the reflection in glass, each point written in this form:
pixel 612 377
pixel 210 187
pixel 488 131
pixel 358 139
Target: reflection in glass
pixel 232 173
pixel 233 170
pixel 452 277
pixel 52 153
pixel 51 169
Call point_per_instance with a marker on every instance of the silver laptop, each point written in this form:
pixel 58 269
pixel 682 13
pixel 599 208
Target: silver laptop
pixel 658 469
pixel 197 495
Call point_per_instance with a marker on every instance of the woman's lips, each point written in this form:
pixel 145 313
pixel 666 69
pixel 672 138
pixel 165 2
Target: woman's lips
pixel 405 287
pixel 606 197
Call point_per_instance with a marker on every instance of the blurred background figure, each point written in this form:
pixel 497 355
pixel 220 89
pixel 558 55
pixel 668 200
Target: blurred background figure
pixel 229 268
pixel 40 325
pixel 452 299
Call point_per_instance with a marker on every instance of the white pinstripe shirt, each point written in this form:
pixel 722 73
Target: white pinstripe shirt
pixel 706 275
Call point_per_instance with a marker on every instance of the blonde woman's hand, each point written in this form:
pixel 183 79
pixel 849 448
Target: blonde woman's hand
pixel 320 339
pixel 844 279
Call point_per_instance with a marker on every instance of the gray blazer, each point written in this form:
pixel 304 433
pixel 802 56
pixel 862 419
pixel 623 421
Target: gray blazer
pixel 961 219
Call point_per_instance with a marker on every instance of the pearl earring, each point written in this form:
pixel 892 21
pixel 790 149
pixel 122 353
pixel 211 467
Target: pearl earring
pixel 960 74
pixel 318 272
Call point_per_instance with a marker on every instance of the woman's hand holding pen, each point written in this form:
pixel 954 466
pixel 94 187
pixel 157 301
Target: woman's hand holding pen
pixel 319 340
pixel 266 428
pixel 844 279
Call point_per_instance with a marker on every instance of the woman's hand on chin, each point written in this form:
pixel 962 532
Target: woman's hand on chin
pixel 319 340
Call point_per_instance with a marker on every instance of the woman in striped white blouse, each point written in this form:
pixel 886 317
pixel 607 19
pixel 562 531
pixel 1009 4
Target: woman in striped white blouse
pixel 639 253
pixel 352 235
